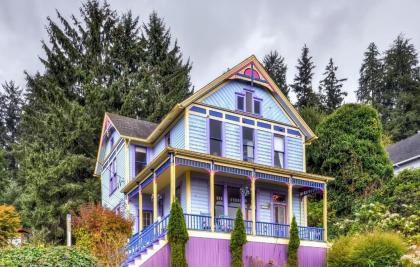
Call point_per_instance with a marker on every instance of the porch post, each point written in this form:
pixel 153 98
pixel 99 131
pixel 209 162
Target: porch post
pixel 188 190
pixel 289 201
pixel 325 212
pixel 305 210
pixel 173 179
pixel 212 197
pixel 254 224
pixel 155 198
pixel 225 200
pixel 140 209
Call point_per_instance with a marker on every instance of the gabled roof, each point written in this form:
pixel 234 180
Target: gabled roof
pixel 132 127
pixel 405 150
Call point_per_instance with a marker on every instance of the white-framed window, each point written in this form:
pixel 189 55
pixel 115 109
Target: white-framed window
pixel 247 102
pixel 278 151
pixel 248 144
pixel 215 137
pixel 140 159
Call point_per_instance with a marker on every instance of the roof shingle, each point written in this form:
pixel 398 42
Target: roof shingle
pixel 405 149
pixel 132 127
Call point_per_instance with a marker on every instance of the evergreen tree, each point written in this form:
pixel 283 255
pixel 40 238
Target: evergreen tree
pixel 371 78
pixel 276 67
pixel 330 88
pixel 294 243
pixel 400 105
pixel 177 235
pixel 167 68
pixel 237 240
pixel 302 85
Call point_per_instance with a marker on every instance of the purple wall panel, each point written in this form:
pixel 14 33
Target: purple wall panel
pixel 208 252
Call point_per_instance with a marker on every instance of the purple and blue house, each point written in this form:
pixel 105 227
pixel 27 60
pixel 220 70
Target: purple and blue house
pixel 237 143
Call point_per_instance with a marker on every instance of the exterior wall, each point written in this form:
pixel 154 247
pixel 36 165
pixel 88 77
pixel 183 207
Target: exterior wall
pixel 116 136
pixel 113 200
pixel 199 194
pixel 294 154
pixel 198 133
pixel 210 252
pixel 232 140
pixel 177 134
pixel 225 98
pixel 264 147
pixel 159 147
pixel 183 199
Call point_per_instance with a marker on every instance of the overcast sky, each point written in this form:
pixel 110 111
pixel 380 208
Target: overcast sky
pixel 216 35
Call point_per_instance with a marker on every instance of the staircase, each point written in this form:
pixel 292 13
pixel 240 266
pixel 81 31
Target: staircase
pixel 144 245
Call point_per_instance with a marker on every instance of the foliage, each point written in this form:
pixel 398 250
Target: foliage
pixel 237 240
pixel 294 243
pixel 94 62
pixel 277 68
pixel 331 88
pixel 177 235
pixel 370 249
pixel 313 116
pixel 9 223
pixel 45 257
pixel 315 212
pixel 349 148
pixel 103 233
pixel 302 83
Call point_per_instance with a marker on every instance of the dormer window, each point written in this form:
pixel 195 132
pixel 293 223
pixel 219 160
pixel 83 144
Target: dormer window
pixel 247 102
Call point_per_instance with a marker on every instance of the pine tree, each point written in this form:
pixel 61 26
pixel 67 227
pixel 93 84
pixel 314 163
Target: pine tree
pixel 177 235
pixel 237 240
pixel 330 88
pixel 302 85
pixel 401 93
pixel 276 68
pixel 371 78
pixel 294 243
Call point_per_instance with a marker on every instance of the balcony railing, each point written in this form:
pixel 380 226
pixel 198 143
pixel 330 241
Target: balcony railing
pixel 311 233
pixel 197 222
pixel 272 229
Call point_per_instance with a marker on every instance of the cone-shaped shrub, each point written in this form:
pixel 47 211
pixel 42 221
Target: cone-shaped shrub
pixel 294 242
pixel 237 240
pixel 177 235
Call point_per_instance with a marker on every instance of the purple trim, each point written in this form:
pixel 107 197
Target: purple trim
pixel 223 138
pixel 241 143
pixel 208 135
pixel 243 204
pixel 225 200
pixel 232 118
pixel 272 150
pixel 215 113
pixel 249 90
pixel 279 129
pixel 198 109
pixel 255 145
pixel 293 132
pixel 286 158
pixel 253 106
pixel 248 121
pixel 264 125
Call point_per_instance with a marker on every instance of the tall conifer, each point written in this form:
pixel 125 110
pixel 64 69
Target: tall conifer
pixel 331 88
pixel 276 67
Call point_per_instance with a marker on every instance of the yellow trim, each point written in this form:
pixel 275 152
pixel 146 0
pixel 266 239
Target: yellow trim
pixel 325 213
pixel 305 210
pixel 155 200
pixel 187 129
pixel 212 200
pixel 188 190
pixel 253 207
pixel 290 202
pixel 127 161
pixel 173 181
pixel 140 211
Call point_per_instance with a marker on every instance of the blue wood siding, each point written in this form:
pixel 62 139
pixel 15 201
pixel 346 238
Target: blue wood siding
pixel 199 195
pixel 166 200
pixel 232 142
pixel 115 136
pixel 178 134
pixel 294 154
pixel 263 205
pixel 198 133
pixel 225 98
pixel 134 212
pixel 296 206
pixel 264 144
pixel 117 197
pixel 183 199
pixel 159 147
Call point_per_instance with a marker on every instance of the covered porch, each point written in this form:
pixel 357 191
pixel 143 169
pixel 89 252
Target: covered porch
pixel 211 189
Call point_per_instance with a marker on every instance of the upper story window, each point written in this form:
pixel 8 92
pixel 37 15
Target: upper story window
pixel 140 159
pixel 248 143
pixel 247 102
pixel 113 179
pixel 279 151
pixel 216 137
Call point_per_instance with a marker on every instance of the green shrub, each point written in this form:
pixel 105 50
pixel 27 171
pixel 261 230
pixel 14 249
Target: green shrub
pixel 294 243
pixel 237 240
pixel 9 224
pixel 45 257
pixel 377 249
pixel 177 235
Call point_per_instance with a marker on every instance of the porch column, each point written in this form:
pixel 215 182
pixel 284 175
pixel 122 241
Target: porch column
pixel 140 209
pixel 289 201
pixel 188 190
pixel 212 198
pixel 155 199
pixel 325 212
pixel 225 200
pixel 173 179
pixel 254 224
pixel 305 210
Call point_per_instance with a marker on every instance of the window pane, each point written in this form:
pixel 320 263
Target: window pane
pixel 240 102
pixel 257 107
pixel 248 135
pixel 215 147
pixel 278 159
pixel 216 129
pixel 279 143
pixel 234 201
pixel 140 159
pixel 248 96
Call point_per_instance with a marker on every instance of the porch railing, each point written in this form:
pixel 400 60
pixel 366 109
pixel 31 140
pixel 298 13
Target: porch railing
pixel 272 229
pixel 197 222
pixel 311 233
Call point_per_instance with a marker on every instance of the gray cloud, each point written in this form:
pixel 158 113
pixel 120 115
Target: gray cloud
pixel 218 34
